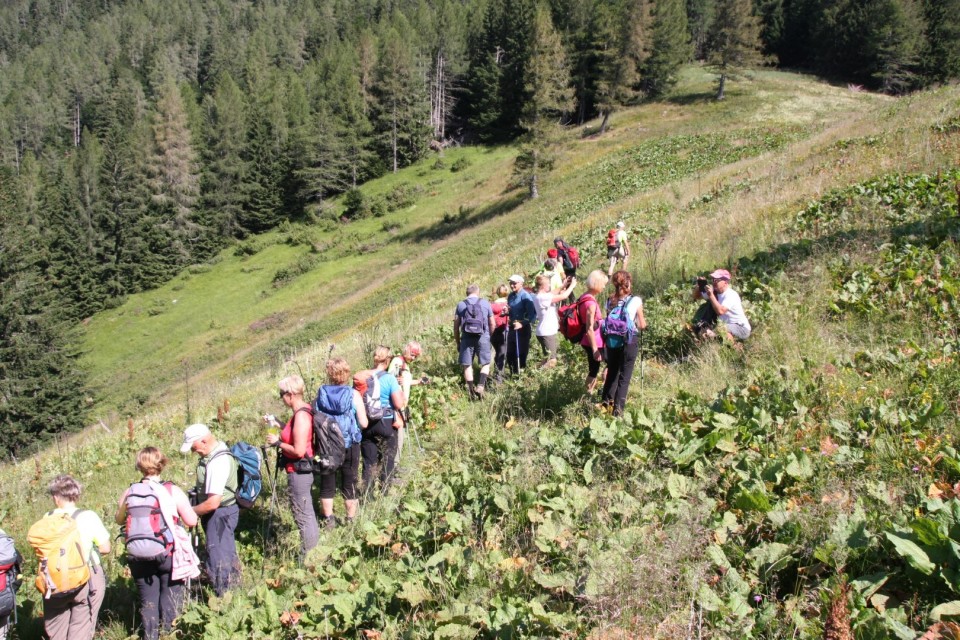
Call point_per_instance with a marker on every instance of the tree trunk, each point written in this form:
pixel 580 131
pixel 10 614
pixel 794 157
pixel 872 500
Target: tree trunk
pixel 606 119
pixel 723 85
pixel 534 191
pixel 393 140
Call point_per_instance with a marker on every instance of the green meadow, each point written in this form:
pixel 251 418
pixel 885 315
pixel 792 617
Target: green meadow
pixel 803 487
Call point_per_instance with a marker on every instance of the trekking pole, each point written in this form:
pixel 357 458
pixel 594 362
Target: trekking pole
pixel 517 341
pixel 641 365
pixel 406 417
pixel 273 503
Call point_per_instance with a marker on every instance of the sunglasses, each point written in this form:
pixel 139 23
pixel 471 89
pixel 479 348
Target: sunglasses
pixel 283 393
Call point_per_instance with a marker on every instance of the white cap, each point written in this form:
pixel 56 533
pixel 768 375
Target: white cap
pixel 516 278
pixel 193 433
pixel 621 225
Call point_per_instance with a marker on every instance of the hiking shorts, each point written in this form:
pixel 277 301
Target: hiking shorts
pixel 738 331
pixel 474 346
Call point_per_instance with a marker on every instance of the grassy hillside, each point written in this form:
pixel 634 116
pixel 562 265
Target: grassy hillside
pixel 806 486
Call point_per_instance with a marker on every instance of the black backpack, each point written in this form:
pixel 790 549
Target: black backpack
pixel 329 449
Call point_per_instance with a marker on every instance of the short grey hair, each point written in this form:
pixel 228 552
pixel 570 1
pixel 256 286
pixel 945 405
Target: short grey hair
pixel 473 289
pixel 597 280
pixel 65 488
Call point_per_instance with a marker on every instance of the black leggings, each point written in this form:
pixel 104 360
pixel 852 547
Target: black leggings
pixel 594 365
pixel 620 363
pixel 379 451
pixel 348 476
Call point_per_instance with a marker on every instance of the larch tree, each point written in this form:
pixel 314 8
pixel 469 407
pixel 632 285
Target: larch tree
pixel 173 173
pixel 733 41
pixel 549 96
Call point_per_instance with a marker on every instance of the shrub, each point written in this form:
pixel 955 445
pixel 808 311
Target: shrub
pixel 461 164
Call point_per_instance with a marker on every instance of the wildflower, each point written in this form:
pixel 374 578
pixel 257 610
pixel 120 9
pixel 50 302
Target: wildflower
pixel 757 598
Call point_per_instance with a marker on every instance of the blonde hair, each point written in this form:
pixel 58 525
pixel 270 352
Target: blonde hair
pixel 381 355
pixel 541 281
pixel 597 280
pixel 293 385
pixel 151 461
pixel 338 371
pixel 65 488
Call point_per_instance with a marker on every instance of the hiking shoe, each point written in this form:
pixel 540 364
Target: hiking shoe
pixel 479 391
pixel 331 522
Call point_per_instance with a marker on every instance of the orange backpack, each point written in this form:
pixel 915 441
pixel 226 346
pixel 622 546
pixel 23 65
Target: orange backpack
pixel 56 540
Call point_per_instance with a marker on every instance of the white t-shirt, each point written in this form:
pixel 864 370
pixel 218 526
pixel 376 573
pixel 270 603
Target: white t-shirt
pixel 633 306
pixel 218 471
pixel 734 315
pixel 621 236
pixel 92 532
pixel 547 319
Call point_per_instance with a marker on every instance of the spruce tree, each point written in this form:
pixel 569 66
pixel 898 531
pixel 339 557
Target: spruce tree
pixel 42 390
pixel 733 41
pixel 670 47
pixel 621 44
pixel 547 85
pixel 942 56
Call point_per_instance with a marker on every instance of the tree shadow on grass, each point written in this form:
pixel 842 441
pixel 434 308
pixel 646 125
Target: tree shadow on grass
pixel 690 99
pixel 467 217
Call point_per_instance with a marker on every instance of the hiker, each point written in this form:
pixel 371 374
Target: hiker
pixel 159 579
pixel 378 446
pixel 72 614
pixel 10 565
pixel 498 337
pixel 472 322
pixel 618 247
pixel 400 369
pixel 621 337
pixel 344 403
pixel 548 323
pixel 216 504
pixel 721 302
pixel 523 312
pixel 294 443
pixel 589 310
pixel 567 256
pixel 557 281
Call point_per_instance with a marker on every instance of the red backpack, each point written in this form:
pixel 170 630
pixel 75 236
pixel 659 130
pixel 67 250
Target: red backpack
pixel 612 239
pixel 572 324
pixel 574 256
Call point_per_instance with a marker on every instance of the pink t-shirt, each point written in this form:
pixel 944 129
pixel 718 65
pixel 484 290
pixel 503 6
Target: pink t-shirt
pixel 584 304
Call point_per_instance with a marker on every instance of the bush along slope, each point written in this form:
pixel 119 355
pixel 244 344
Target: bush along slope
pixel 811 498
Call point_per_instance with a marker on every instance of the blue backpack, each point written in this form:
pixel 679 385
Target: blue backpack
pixel 249 480
pixel 618 328
pixel 336 401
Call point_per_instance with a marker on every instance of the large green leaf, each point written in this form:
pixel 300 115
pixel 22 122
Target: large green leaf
pixel 911 552
pixel 945 610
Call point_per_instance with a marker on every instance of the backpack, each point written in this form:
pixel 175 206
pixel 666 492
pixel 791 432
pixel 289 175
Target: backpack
pixel 249 479
pixel 62 567
pixel 612 239
pixel 9 575
pixel 472 321
pixel 146 533
pixel 572 325
pixel 618 328
pixel 329 445
pixel 368 384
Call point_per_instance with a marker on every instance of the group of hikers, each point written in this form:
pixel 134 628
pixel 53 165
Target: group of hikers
pixel 498 333
pixel 353 418
pixel 363 416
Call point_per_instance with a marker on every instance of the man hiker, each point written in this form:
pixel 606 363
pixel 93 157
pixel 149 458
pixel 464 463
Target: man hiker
pixel 472 322
pixel 568 257
pixel 216 504
pixel 523 313
pixel 618 247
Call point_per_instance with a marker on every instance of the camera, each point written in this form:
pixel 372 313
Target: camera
pixel 425 380
pixel 702 285
pixel 193 497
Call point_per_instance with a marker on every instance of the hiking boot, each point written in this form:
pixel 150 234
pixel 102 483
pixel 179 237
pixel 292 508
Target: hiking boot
pixel 330 522
pixel 549 364
pixel 479 391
